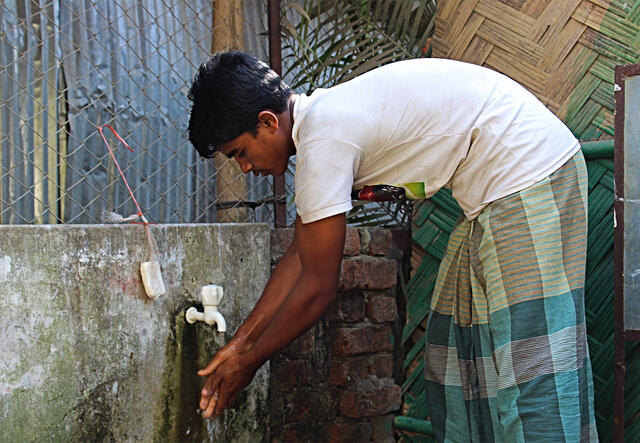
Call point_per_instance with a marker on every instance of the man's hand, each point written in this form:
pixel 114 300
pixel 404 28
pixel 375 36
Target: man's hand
pixel 234 348
pixel 223 385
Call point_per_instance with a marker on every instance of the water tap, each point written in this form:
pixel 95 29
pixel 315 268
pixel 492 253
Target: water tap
pixel 211 296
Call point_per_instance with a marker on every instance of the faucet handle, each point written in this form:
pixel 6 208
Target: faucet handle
pixel 211 295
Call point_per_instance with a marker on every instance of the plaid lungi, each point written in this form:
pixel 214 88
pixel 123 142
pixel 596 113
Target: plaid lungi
pixel 507 356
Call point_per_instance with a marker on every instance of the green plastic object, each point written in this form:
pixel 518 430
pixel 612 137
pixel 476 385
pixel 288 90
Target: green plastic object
pixel 413 425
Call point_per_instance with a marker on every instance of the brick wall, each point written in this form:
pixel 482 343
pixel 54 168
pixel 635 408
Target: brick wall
pixel 336 382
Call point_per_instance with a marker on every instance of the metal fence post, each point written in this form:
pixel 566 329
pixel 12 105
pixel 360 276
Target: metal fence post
pixel 275 60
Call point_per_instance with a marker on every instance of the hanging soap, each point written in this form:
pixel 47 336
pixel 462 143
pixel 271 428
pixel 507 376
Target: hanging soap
pixel 152 279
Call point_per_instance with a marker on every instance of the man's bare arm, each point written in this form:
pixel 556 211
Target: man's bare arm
pixel 319 248
pixel 285 276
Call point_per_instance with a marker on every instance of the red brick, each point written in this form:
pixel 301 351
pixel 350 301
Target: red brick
pixel 382 309
pixel 370 397
pixel 347 371
pixel 291 373
pixel 379 241
pixel 350 432
pixel 365 272
pixel 381 365
pixel 348 307
pixel 382 427
pixel 298 408
pixel 351 242
pixel 364 340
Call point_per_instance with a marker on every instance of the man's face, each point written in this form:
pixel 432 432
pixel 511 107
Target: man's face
pixel 266 153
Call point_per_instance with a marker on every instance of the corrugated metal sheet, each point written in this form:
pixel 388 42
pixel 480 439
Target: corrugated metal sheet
pixel 128 63
pixel 69 66
pixel 30 148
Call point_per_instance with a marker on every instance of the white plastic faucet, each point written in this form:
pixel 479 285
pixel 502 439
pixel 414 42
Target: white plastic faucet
pixel 211 296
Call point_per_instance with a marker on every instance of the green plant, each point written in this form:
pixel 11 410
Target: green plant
pixel 327 42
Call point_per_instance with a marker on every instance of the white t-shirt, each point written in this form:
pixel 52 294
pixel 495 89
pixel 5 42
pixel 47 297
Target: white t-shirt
pixel 422 125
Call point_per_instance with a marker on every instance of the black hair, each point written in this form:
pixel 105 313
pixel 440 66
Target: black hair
pixel 228 92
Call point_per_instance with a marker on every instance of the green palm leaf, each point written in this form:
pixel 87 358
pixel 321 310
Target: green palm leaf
pixel 335 40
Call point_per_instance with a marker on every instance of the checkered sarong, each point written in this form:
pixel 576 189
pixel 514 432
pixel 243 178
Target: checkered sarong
pixel 507 356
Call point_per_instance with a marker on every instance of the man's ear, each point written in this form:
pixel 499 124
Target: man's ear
pixel 267 119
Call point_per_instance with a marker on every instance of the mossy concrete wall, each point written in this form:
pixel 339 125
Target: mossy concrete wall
pixel 86 356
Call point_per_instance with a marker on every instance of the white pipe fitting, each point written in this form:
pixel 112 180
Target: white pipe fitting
pixel 211 296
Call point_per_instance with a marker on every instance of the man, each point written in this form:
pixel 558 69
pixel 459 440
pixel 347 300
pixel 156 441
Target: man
pixel 506 356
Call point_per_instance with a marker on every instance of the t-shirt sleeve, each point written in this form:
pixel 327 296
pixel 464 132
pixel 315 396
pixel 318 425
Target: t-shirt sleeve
pixel 325 170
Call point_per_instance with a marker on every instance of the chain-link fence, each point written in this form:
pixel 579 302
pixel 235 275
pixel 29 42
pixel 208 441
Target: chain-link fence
pixel 69 66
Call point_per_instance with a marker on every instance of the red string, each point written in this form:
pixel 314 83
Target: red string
pixel 144 220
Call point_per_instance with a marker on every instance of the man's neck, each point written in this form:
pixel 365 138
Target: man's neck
pixel 290 107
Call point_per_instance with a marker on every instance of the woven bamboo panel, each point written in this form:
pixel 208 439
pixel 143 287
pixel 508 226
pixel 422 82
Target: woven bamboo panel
pixel 563 51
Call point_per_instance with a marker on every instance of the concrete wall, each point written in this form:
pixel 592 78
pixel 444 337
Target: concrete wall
pixel 86 356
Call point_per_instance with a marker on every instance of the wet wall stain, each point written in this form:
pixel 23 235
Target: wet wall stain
pixel 179 420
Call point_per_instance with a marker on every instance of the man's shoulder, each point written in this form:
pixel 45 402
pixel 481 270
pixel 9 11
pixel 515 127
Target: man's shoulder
pixel 326 114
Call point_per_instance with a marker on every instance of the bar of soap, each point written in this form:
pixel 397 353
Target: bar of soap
pixel 152 279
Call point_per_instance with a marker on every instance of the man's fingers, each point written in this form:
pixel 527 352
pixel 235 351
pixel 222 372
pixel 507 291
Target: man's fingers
pixel 221 387
pixel 204 402
pixel 221 404
pixel 209 391
pixel 213 402
pixel 210 407
pixel 207 388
